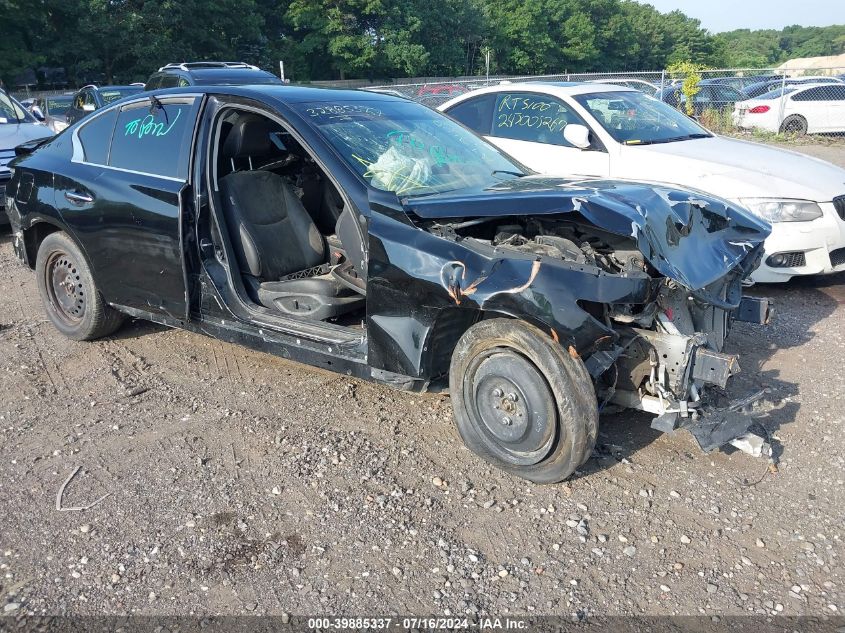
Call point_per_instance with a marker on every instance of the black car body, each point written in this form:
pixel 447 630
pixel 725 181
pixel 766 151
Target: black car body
pixel 91 98
pixel 369 235
pixel 710 96
pixel 17 126
pixel 740 83
pixel 209 74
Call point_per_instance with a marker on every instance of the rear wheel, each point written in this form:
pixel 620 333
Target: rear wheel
pixel 71 300
pixel 521 401
pixel 794 124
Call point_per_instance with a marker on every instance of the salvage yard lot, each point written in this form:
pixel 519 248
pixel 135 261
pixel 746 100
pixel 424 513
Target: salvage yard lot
pixel 242 483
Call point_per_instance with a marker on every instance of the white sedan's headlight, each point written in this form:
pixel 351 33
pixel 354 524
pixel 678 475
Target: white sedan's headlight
pixel 775 210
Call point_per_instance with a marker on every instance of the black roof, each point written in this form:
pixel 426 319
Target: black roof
pixel 223 76
pixel 288 94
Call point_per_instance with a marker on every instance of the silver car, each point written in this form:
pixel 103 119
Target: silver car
pixel 16 126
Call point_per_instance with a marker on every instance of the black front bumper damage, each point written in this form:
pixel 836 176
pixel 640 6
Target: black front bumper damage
pixel 715 427
pixel 697 367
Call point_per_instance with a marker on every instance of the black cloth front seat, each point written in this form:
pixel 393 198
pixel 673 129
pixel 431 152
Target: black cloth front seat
pixel 272 233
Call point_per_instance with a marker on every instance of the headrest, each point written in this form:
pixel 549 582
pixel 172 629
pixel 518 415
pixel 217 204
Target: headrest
pixel 250 136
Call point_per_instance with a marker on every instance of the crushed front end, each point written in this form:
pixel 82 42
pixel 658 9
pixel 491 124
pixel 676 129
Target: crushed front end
pixel 642 282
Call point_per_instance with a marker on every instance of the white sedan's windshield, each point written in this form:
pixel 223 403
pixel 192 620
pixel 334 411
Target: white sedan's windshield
pixel 633 118
pixel 406 148
pixel 12 112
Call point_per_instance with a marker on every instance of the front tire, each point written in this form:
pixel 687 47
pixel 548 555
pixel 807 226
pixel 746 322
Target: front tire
pixel 70 298
pixel 521 401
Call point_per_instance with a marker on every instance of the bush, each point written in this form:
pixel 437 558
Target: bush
pixel 718 121
pixel 691 76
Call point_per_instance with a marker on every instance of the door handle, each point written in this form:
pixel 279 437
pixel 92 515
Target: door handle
pixel 74 197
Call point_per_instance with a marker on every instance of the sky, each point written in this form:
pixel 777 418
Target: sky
pixel 727 15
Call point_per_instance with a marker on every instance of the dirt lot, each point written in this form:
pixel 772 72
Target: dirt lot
pixel 242 483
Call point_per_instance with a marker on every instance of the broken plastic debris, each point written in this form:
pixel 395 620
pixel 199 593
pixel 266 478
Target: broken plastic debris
pixel 752 444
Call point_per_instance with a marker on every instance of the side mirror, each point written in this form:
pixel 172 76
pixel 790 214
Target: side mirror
pixel 88 107
pixel 36 112
pixel 578 135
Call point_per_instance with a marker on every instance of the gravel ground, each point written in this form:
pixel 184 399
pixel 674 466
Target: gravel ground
pixel 239 483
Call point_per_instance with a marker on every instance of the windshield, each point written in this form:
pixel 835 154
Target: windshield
pixel 634 118
pixel 406 148
pixel 57 106
pixel 13 112
pixel 113 94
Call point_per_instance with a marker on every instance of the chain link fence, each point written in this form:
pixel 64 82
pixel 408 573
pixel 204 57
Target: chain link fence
pixel 748 102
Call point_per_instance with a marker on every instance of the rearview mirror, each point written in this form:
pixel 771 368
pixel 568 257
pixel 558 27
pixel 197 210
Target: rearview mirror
pixel 578 135
pixel 87 107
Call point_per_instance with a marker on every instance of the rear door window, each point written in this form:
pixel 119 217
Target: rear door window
pixel 812 94
pixel 835 93
pixel 532 117
pixel 95 136
pixel 155 140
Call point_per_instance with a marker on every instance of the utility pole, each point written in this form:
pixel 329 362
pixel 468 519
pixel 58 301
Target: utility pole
pixel 487 62
pixel 282 69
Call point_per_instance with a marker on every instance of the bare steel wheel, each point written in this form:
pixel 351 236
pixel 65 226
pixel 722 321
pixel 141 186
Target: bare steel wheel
pixel 521 401
pixel 70 297
pixel 65 288
pixel 513 408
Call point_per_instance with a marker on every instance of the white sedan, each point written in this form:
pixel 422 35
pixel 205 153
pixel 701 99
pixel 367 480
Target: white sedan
pixel 800 109
pixel 608 131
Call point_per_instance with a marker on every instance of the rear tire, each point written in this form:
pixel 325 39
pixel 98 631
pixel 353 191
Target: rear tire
pixel 521 401
pixel 794 124
pixel 70 298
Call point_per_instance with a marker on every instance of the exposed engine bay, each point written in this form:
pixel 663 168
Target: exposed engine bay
pixel 661 355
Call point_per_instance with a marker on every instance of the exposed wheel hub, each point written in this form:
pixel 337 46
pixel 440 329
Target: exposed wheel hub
pixel 65 288
pixel 514 407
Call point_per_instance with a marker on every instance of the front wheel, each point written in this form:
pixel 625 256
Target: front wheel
pixel 71 300
pixel 521 401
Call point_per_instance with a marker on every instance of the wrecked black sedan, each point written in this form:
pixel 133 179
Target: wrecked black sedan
pixel 372 236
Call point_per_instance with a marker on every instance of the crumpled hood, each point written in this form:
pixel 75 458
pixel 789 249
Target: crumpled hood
pixel 686 235
pixel 735 169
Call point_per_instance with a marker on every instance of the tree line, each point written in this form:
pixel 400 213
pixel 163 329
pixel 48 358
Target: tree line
pixel 125 40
